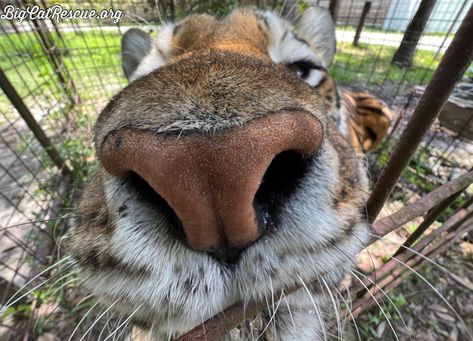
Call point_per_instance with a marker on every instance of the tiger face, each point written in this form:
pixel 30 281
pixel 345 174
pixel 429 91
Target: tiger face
pixel 224 175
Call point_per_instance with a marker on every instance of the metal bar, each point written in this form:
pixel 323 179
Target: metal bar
pixel 429 249
pixel 451 223
pixel 24 112
pixel 430 217
pixel 424 204
pixel 395 278
pixel 452 67
pixel 361 23
pixel 55 57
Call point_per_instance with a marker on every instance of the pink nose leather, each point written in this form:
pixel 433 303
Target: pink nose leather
pixel 210 180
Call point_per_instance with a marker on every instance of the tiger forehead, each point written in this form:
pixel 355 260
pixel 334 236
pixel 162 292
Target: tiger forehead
pixel 242 31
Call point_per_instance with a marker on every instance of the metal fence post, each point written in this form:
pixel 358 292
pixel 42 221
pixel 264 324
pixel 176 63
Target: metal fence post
pixel 55 57
pixel 451 68
pixel 35 128
pixel 429 219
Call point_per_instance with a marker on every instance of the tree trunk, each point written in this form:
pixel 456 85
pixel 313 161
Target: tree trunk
pixel 405 53
pixel 333 9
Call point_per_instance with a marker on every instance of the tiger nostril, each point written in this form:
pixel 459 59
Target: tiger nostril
pixel 223 187
pixel 148 194
pixel 279 182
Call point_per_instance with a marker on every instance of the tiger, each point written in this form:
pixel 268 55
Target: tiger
pixel 230 167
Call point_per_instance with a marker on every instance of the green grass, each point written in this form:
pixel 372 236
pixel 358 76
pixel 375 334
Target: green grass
pixel 371 64
pixel 91 58
pixel 92 61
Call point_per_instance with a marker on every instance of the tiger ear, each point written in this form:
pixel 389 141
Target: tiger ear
pixel 141 54
pixel 136 44
pixel 315 25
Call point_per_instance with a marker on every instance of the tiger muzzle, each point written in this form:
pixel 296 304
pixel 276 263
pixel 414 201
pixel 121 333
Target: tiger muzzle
pixel 210 180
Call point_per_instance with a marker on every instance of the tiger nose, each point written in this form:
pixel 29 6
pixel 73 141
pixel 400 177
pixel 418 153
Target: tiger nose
pixel 210 180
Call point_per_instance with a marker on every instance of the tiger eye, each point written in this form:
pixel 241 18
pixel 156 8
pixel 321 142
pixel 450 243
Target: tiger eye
pixel 300 69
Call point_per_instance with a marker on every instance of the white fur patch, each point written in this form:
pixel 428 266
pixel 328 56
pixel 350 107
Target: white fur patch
pixel 316 26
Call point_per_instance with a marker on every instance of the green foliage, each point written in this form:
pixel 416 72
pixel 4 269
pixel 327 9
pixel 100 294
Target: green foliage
pixel 411 227
pixel 21 311
pixel 302 5
pixel 77 151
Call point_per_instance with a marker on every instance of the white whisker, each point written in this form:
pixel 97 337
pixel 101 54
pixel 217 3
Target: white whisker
pixel 390 301
pixel 122 324
pixel 97 320
pixel 271 318
pixel 106 324
pixel 335 307
pixel 470 334
pixel 379 305
pixel 9 303
pixel 151 331
pixel 63 285
pixel 377 286
pixel 419 254
pixel 349 312
pixel 319 316
pixel 82 319
pixel 290 313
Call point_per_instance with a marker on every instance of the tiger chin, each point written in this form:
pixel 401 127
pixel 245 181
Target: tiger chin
pixel 228 171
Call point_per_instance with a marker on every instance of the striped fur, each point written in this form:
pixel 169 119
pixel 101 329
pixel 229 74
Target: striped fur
pixel 369 119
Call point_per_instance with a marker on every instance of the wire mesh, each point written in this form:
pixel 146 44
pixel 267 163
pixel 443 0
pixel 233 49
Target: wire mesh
pixel 65 72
